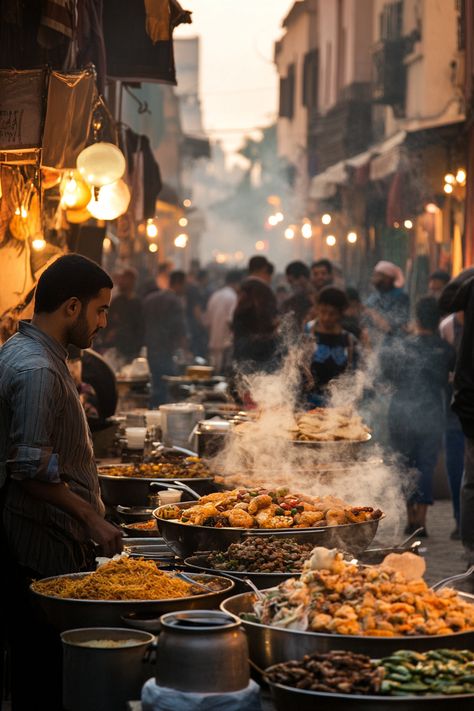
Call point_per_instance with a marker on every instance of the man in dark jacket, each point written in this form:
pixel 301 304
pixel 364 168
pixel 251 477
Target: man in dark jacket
pixel 458 295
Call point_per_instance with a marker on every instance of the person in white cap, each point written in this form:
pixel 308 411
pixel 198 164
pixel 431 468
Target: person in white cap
pixel 387 309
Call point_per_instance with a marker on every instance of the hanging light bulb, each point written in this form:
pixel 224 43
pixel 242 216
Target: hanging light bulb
pixel 326 219
pixel 408 224
pixel 450 179
pixel 107 244
pixel 183 221
pixel 448 188
pixel 260 245
pixel 74 191
pixel 289 233
pixel 76 217
pixel 101 164
pixel 331 240
pixel 111 202
pixel 352 237
pixel 279 217
pixel 461 176
pixel 273 220
pixel 153 247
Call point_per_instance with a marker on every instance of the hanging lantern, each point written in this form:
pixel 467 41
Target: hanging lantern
pixel 50 177
pixel 111 201
pixel 101 164
pixel 74 191
pixel 78 216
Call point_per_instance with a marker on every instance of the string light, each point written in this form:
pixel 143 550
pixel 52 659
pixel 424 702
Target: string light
pixel 181 240
pixel 106 244
pixel 461 176
pixel 187 202
pixel 448 188
pixel 289 233
pixel 432 208
pixel 279 217
pixel 331 241
pixel 307 230
pixel 38 244
pixel 273 220
pixel 260 245
pixel 153 247
pixel 408 224
pixel 326 219
pixel 151 229
pixel 352 237
pixel 183 221
pixel 449 178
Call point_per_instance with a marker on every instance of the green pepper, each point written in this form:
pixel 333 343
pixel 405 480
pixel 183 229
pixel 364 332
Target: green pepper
pixel 399 677
pixel 414 686
pixel 454 689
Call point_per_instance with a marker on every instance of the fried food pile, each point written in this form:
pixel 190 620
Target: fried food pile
pixel 189 468
pixel 264 508
pixel 378 601
pixel 329 424
pixel 123 579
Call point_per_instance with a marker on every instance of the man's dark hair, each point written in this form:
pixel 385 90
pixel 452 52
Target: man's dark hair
pixel 177 278
pixel 71 275
pixel 326 263
pixel 296 270
pixel 332 296
pixel 427 313
pixel 269 268
pixel 257 264
pixel 440 275
pixel 352 294
pixel 234 276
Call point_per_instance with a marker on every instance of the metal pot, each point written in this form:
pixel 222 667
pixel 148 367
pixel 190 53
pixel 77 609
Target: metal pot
pixel 103 679
pixel 202 651
pixel 185 539
pixel 211 436
pixel 177 423
pixel 270 645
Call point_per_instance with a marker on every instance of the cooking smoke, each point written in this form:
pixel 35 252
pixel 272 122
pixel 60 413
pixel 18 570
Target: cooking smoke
pixel 262 451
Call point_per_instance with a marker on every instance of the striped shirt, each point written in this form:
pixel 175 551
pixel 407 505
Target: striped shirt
pixel 44 435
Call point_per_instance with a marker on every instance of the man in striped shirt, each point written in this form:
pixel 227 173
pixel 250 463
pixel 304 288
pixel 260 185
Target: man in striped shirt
pixel 52 513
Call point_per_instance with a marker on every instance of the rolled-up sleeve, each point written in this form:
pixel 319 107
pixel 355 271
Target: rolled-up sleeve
pixel 35 400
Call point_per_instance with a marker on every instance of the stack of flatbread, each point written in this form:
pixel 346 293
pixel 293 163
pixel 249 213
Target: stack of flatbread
pixel 329 425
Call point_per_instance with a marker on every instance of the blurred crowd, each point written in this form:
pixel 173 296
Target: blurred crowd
pixel 398 358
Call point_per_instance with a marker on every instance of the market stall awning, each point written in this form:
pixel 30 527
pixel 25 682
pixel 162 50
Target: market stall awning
pixel 386 160
pixel 324 185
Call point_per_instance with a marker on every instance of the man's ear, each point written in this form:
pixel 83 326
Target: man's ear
pixel 72 307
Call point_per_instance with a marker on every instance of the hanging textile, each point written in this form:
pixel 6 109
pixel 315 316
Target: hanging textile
pixel 21 109
pixel 68 117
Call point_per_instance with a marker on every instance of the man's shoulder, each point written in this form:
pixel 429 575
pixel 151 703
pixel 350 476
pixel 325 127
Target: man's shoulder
pixel 21 353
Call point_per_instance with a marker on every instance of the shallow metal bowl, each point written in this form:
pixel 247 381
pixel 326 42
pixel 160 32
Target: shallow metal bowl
pixel 186 539
pixel 261 580
pixel 270 645
pixel 69 613
pixel 287 697
pixel 134 491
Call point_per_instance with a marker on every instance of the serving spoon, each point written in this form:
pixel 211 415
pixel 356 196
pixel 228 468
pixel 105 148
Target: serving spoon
pixel 445 581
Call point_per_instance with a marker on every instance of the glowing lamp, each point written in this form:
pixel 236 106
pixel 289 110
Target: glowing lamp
pixel 74 191
pixel 112 201
pixel 307 230
pixel 326 219
pixel 101 164
pixel 38 244
pixel 289 233
pixel 352 237
pixel 181 241
pixel 330 240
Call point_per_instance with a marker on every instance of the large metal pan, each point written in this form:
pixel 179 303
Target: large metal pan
pixel 261 580
pixel 186 539
pixel 270 645
pixel 67 613
pixel 286 697
pixel 134 491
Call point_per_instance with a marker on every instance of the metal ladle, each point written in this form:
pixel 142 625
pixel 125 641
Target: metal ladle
pixel 460 576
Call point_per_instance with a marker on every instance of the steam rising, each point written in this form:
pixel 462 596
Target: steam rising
pixel 361 474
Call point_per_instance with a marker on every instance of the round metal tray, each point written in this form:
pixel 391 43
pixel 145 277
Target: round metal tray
pixel 270 645
pixel 287 697
pixel 69 613
pixel 186 539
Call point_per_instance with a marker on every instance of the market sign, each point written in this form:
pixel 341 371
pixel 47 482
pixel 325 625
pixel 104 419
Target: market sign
pixel 21 109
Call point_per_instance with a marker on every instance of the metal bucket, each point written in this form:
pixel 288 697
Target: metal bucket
pixel 103 679
pixel 178 421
